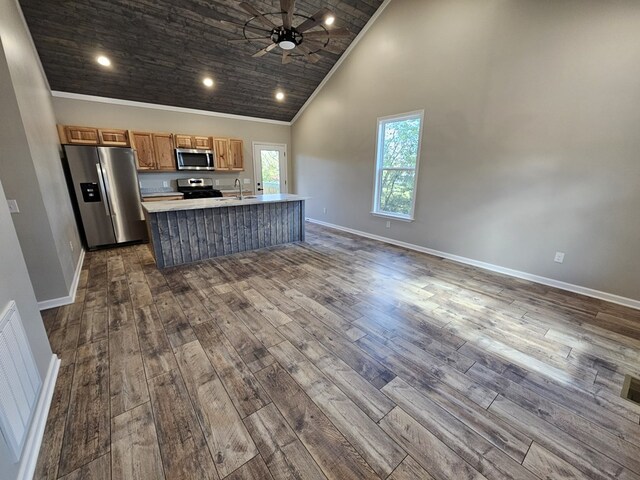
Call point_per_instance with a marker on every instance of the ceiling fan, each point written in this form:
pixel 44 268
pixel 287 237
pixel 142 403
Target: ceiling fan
pixel 308 37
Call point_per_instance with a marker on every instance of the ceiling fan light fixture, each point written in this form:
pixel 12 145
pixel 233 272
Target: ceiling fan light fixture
pixel 287 45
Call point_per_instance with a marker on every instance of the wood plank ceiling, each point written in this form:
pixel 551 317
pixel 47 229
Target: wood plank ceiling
pixel 161 51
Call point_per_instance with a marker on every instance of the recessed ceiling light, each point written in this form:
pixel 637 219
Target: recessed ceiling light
pixel 208 82
pixel 329 20
pixel 104 61
pixel 280 96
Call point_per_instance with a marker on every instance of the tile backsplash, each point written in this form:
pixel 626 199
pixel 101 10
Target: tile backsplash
pixel 155 181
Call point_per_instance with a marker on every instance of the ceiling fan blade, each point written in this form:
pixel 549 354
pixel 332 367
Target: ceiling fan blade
pixel 311 57
pixel 337 33
pixel 256 30
pixel 286 57
pixel 264 51
pixel 287 6
pixel 243 40
pixel 316 19
pixel 251 10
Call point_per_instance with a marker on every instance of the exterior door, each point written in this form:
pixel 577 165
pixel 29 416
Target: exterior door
pixel 270 167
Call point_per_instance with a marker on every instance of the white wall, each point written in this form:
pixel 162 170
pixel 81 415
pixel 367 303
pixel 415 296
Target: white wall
pixel 84 112
pixel 15 285
pixel 30 164
pixel 530 139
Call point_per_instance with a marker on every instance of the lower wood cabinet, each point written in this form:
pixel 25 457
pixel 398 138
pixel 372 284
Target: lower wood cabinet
pixel 162 198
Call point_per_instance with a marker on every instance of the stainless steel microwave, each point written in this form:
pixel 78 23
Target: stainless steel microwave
pixel 188 159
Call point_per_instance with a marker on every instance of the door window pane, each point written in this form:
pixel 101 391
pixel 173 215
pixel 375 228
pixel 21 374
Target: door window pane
pixel 270 161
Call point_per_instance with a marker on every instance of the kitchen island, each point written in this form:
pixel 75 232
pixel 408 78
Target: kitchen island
pixel 185 231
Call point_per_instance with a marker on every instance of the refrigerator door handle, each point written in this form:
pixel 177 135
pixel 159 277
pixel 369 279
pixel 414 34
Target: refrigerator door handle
pixel 105 200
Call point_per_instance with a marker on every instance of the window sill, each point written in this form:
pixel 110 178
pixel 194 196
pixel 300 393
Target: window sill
pixel 393 217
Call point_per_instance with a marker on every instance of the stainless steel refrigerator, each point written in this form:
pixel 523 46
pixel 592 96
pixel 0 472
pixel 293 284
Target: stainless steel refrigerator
pixel 107 194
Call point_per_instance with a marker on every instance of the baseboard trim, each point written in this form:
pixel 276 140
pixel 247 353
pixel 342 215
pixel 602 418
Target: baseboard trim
pixel 589 292
pixel 59 302
pixel 36 431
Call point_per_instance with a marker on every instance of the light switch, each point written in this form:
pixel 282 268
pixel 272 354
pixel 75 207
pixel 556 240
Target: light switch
pixel 247 181
pixel 13 206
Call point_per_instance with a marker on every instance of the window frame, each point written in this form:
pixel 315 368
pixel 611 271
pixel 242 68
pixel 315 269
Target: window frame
pixel 377 186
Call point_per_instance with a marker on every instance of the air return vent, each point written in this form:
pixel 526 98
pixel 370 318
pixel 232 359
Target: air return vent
pixel 631 389
pixel 19 381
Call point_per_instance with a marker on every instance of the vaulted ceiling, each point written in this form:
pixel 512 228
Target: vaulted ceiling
pixel 161 50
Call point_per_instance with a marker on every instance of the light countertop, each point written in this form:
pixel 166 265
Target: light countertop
pixel 200 203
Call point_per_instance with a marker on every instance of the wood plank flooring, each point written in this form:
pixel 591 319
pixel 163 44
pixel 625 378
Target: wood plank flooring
pixel 336 358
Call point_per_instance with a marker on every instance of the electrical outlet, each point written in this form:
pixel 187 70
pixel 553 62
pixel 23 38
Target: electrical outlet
pixel 559 258
pixel 247 181
pixel 71 245
pixel 165 183
pixel 217 182
pixel 388 224
pixel 13 206
pixel 324 210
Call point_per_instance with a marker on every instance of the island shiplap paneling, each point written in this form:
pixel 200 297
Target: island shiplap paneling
pixel 187 236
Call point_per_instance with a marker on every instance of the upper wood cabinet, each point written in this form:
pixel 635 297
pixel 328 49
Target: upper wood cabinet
pixel 222 153
pixel 142 142
pixel 154 151
pixel 163 146
pixel 109 137
pixel 184 141
pixel 113 137
pixel 236 155
pixel 193 141
pixel 229 154
pixel 79 135
pixel 203 143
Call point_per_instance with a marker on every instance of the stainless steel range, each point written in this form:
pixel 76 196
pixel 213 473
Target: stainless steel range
pixel 198 188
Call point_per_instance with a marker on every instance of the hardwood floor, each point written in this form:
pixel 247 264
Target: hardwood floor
pixel 336 358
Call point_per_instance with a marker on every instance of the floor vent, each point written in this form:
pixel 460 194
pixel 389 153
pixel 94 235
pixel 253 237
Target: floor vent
pixel 631 389
pixel 19 381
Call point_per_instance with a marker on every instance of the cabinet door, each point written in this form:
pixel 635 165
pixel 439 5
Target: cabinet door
pixel 82 135
pixel 236 155
pixel 184 141
pixel 222 153
pixel 163 146
pixel 145 155
pixel 203 143
pixel 113 138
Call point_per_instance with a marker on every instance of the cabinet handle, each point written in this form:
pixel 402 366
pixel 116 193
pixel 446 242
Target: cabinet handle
pixel 102 190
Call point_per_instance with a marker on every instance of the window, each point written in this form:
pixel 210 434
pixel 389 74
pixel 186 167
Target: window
pixel 397 158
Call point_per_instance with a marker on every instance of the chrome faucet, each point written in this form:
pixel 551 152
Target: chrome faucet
pixel 239 183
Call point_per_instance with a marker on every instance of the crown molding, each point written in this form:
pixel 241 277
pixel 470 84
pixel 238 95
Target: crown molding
pixel 156 106
pixel 346 53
